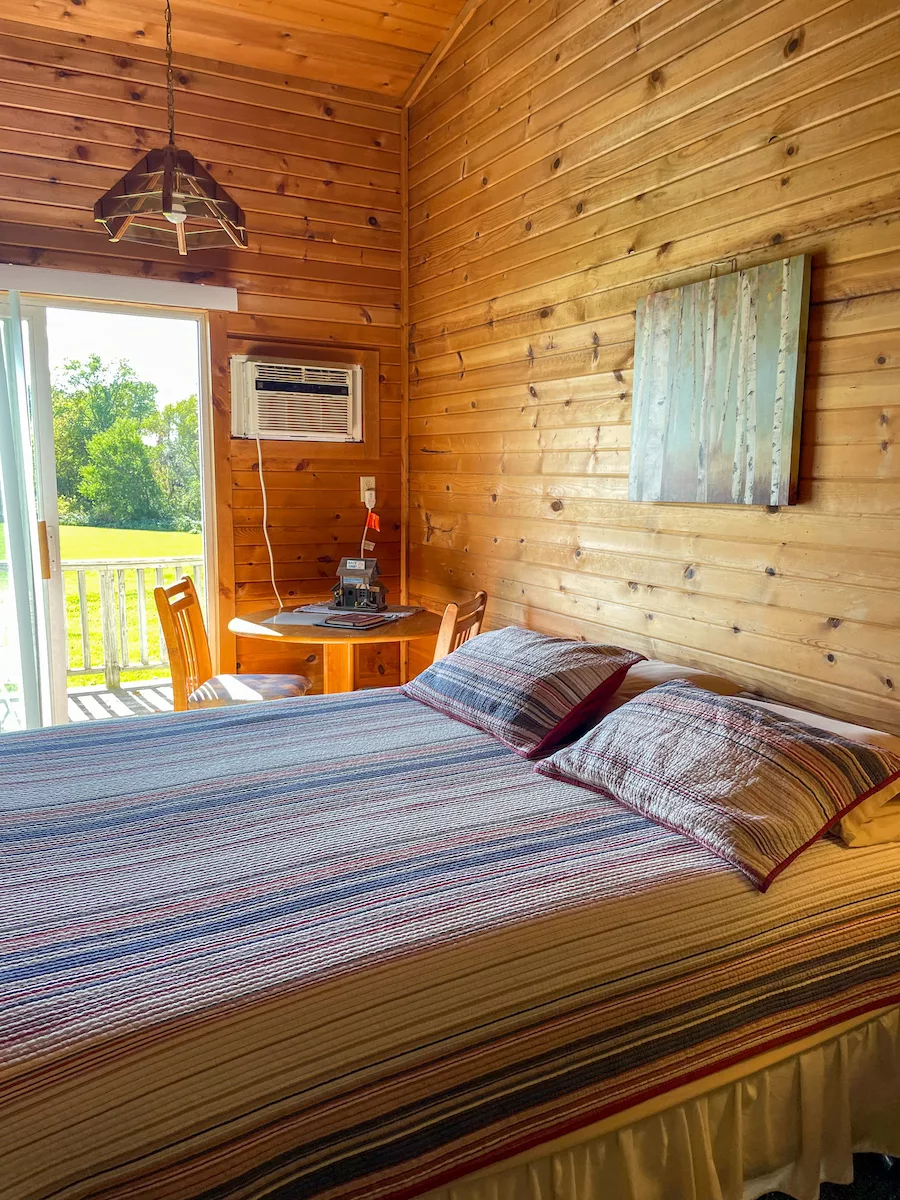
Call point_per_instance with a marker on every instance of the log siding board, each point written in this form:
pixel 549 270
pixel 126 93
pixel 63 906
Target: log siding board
pixel 332 43
pixel 817 132
pixel 223 81
pixel 318 172
pixel 547 195
pixel 699 107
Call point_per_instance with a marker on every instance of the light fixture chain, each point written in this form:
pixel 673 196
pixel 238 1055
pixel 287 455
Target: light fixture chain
pixel 170 75
pixel 168 198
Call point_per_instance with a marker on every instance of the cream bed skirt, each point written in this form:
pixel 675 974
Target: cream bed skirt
pixel 784 1121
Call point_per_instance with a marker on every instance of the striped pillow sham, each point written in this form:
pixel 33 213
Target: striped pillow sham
pixel 531 691
pixel 753 787
pixel 877 819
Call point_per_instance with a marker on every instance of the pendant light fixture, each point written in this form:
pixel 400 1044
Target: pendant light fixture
pixel 168 198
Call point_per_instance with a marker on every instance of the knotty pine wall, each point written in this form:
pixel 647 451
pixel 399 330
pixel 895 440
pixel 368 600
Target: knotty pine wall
pixel 317 171
pixel 569 156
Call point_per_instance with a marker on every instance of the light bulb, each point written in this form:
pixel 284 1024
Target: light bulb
pixel 178 215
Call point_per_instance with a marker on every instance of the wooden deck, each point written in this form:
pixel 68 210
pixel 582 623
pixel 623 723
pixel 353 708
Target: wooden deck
pixel 100 703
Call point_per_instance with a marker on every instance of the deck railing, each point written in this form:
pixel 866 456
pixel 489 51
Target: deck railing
pixel 130 634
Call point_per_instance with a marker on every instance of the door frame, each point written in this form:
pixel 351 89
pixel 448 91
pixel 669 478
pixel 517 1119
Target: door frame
pixel 34 308
pixel 52 625
pixel 19 513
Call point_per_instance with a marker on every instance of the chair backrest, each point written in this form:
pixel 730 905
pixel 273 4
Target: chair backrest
pixel 460 622
pixel 181 619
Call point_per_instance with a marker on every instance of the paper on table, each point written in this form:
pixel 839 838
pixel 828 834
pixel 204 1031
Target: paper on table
pixel 297 616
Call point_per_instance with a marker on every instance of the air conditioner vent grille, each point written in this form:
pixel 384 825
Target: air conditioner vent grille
pixel 296 401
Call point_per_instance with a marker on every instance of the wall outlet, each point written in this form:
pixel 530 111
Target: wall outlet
pixel 366 484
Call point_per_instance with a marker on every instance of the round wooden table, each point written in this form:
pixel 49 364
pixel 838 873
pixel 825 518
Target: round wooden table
pixel 339 644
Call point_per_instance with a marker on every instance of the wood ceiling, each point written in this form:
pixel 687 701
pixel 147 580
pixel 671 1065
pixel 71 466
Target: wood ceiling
pixel 373 45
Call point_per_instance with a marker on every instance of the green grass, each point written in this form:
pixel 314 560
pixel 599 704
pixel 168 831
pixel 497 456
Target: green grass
pixel 82 543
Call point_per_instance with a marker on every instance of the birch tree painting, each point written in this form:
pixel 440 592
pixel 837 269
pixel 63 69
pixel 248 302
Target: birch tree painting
pixel 718 388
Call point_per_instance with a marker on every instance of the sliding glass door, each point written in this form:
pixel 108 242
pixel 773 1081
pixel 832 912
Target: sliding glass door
pixel 32 691
pixel 103 440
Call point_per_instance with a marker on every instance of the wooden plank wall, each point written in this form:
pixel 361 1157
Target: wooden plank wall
pixel 354 43
pixel 569 156
pixel 317 170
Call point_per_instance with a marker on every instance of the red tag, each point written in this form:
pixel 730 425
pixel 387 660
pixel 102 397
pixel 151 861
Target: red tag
pixel 372 522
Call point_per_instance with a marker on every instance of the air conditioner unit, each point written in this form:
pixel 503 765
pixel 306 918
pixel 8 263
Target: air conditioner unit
pixel 292 401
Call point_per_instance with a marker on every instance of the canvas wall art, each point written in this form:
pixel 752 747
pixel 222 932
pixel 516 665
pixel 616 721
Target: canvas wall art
pixel 718 388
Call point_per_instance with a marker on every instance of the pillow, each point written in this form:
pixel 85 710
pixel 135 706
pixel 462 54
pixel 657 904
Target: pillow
pixel 876 820
pixel 532 692
pixel 753 787
pixel 855 733
pixel 652 671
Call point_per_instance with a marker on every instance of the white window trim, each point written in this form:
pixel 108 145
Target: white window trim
pixel 124 289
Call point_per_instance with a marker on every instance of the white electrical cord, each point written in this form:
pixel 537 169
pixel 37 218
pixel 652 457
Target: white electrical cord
pixel 369 506
pixel 262 488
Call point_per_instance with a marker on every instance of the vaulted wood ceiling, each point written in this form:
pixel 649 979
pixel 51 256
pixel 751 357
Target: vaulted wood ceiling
pixel 374 45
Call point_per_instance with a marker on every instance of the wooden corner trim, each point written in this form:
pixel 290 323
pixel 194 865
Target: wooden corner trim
pixel 465 15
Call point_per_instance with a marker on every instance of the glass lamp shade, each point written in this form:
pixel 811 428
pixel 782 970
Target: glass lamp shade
pixel 169 199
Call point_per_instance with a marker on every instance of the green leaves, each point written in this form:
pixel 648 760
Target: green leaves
pixel 118 483
pixel 176 462
pixel 122 461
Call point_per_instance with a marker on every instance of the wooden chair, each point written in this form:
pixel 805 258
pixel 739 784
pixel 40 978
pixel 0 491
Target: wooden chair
pixel 193 683
pixel 460 622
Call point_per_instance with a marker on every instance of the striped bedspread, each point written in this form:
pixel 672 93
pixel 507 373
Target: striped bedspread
pixel 346 946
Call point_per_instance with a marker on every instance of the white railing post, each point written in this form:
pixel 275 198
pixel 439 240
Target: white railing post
pixel 163 649
pixel 108 630
pixel 123 619
pixel 142 617
pixel 83 621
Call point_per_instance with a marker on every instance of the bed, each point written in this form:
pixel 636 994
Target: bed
pixel 346 946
